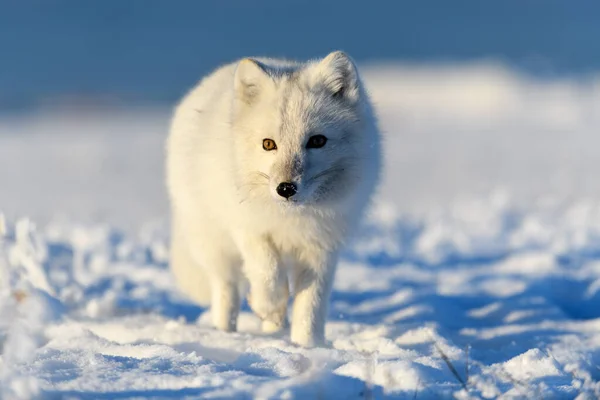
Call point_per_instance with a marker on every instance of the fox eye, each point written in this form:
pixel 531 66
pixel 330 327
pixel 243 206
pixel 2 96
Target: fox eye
pixel 269 144
pixel 316 142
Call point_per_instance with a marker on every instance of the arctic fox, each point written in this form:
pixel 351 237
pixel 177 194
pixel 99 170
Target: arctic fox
pixel 270 165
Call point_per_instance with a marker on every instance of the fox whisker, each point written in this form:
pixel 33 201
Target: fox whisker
pixel 323 173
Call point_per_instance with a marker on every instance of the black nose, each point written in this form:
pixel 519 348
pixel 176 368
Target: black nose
pixel 286 189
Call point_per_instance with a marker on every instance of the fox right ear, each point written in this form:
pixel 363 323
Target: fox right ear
pixel 339 75
pixel 250 79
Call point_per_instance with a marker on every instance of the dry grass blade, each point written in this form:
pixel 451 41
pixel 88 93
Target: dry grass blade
pixel 417 389
pixel 467 364
pixel 450 366
pixel 370 366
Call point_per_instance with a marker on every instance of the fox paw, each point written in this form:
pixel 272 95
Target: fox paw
pixel 271 307
pixel 274 327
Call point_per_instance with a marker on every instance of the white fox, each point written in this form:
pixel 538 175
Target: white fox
pixel 270 165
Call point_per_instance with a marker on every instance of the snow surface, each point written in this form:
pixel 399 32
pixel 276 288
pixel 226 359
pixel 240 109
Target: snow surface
pixel 477 275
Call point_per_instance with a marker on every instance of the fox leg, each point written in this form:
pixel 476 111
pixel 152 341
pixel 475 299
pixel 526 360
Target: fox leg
pixel 225 304
pixel 208 271
pixel 269 289
pixel 313 285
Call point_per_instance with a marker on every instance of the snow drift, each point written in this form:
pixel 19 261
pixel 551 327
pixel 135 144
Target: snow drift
pixel 476 275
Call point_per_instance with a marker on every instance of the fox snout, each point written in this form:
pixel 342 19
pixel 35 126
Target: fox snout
pixel 286 176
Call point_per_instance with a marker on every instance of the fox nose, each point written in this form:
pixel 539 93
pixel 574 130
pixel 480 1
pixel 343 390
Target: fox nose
pixel 286 189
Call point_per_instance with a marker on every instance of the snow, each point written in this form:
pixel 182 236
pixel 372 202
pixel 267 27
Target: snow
pixel 476 274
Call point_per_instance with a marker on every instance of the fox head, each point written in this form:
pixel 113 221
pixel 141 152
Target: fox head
pixel 304 134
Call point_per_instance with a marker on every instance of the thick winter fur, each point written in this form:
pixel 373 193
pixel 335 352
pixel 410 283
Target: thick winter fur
pixel 230 225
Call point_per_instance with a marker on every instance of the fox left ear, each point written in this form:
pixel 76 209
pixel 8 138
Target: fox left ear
pixel 339 74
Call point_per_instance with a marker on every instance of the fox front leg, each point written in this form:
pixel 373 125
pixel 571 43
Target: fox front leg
pixel 313 285
pixel 269 289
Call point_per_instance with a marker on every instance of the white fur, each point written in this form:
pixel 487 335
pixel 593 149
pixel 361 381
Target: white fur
pixel 229 225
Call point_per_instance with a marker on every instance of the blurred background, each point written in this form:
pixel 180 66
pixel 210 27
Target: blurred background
pixel 476 98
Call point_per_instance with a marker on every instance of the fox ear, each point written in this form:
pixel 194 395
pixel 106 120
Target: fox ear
pixel 339 75
pixel 250 80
